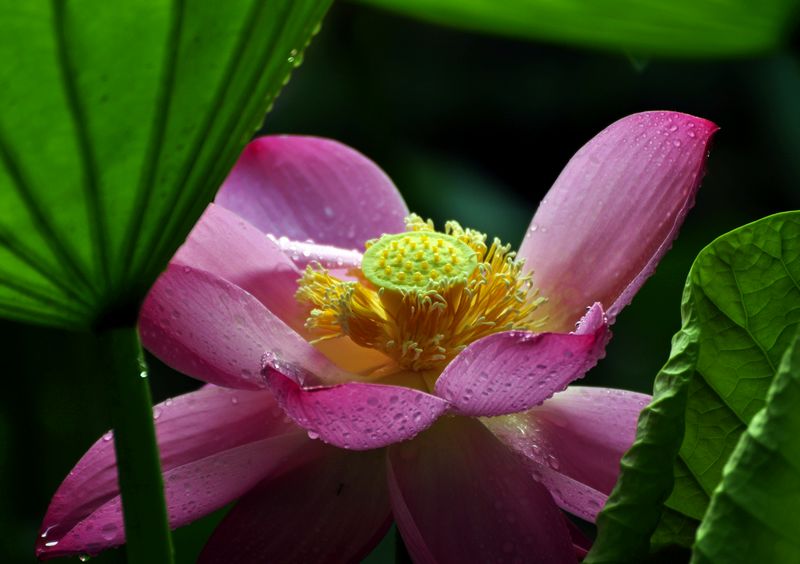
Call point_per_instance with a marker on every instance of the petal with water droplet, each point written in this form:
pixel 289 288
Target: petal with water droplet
pixel 574 442
pixel 613 213
pixel 222 332
pixel 356 415
pixel 211 453
pixel 308 187
pixel 516 370
pixel 225 245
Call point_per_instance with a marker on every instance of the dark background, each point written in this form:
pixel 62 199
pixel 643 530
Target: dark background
pixel 470 127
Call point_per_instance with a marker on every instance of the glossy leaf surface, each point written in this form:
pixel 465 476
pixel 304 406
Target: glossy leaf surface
pixel 754 514
pixel 741 309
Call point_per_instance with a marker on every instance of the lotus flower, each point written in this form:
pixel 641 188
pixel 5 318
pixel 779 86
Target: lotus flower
pixel 422 382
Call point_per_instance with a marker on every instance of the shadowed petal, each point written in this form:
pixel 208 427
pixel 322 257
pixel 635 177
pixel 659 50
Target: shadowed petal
pixel 225 245
pixel 213 330
pixel 355 415
pixel 579 434
pixel 215 444
pixel 458 495
pixel 332 510
pixel 516 370
pixel 613 213
pixel 312 188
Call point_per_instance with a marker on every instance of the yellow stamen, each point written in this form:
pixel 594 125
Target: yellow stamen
pixel 422 316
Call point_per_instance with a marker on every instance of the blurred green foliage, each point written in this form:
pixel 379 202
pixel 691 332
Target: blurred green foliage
pixel 677 28
pixel 470 127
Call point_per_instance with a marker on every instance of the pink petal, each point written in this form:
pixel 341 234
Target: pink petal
pixel 355 415
pixel 614 211
pixel 335 509
pixel 459 496
pixel 312 188
pixel 213 330
pixel 225 245
pixel 576 440
pixel 328 256
pixel 215 445
pixel 516 370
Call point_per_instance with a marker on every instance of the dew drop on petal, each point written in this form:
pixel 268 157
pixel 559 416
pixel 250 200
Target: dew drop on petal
pixel 108 531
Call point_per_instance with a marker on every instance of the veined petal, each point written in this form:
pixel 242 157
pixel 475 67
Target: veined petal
pixel 215 445
pixel 332 510
pixel 312 188
pixel 213 330
pixel 225 245
pixel 355 415
pixel 614 211
pixel 579 434
pixel 458 495
pixel 516 370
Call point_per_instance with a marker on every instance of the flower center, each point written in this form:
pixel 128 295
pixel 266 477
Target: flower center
pixel 409 262
pixel 422 296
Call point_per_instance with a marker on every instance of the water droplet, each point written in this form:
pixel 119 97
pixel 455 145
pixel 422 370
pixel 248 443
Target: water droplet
pixel 51 544
pixel 84 557
pixel 108 531
pixel 143 374
pixel 107 437
pixel 156 413
pixel 328 211
pixel 234 400
pixel 312 435
pixel 676 143
pixel 168 402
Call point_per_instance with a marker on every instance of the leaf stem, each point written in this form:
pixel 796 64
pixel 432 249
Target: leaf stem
pixel 141 485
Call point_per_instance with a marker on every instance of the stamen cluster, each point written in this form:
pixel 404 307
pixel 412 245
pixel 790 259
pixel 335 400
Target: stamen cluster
pixel 422 296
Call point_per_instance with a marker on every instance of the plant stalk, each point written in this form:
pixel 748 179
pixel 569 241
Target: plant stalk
pixel 141 485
